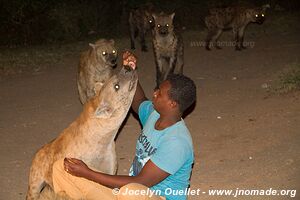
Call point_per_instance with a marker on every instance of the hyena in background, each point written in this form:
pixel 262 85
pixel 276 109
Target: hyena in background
pixel 167 47
pixel 236 18
pixel 95 68
pixel 140 22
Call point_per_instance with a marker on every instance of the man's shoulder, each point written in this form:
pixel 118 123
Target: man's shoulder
pixel 145 104
pixel 145 110
pixel 178 132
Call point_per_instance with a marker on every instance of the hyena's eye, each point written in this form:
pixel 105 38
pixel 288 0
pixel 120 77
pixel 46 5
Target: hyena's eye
pixel 262 15
pixel 167 25
pixel 117 86
pixel 150 21
pixel 114 51
pixel 256 15
pixel 103 53
pixel 158 25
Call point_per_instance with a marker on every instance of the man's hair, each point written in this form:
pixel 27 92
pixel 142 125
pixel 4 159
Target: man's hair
pixel 183 90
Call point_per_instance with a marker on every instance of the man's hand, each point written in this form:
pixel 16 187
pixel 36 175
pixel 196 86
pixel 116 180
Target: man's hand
pixel 129 59
pixel 76 167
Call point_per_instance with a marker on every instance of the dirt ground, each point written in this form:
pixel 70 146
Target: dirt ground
pixel 244 136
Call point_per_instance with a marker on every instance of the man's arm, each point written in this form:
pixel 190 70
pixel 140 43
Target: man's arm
pixel 138 98
pixel 149 176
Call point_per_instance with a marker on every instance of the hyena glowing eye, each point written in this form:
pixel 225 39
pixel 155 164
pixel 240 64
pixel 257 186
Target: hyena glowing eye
pixel 117 87
pixel 158 25
pixel 167 25
pixel 262 15
pixel 256 15
pixel 114 51
pixel 103 53
pixel 150 21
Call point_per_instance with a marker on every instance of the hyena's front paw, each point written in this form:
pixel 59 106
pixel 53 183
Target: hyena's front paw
pixel 207 47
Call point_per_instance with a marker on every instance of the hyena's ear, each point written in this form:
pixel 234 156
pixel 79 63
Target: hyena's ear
pixel 98 86
pixel 154 15
pixel 265 7
pixel 103 111
pixel 92 45
pixel 172 15
pixel 112 41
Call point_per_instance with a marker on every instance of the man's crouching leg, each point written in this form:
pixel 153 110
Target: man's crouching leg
pixel 135 191
pixel 76 187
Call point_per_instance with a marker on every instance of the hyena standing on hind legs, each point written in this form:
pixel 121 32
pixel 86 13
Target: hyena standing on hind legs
pixel 236 18
pixel 167 46
pixel 140 22
pixel 95 68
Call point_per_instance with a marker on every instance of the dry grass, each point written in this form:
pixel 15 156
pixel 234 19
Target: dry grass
pixel 290 80
pixel 34 59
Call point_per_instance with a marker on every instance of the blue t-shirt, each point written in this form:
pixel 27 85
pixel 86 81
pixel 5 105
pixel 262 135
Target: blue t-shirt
pixel 170 149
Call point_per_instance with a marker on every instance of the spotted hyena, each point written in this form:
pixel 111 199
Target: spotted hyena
pixel 95 68
pixel 91 136
pixel 236 18
pixel 168 47
pixel 140 22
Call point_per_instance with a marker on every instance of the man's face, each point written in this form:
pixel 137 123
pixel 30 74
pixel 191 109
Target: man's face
pixel 161 98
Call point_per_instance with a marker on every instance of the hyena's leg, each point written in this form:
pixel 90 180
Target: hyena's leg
pixel 143 41
pixel 180 60
pixel 36 184
pixel 241 34
pixel 216 37
pixel 39 175
pixel 212 36
pixel 210 24
pixel 208 43
pixel 236 39
pixel 132 30
pixel 171 66
pixel 160 70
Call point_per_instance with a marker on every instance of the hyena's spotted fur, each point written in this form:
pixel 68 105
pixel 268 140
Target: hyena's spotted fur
pixel 236 18
pixel 140 22
pixel 167 47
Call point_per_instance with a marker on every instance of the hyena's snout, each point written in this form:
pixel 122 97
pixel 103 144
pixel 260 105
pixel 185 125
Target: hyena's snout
pixel 129 75
pixel 112 60
pixel 260 20
pixel 163 31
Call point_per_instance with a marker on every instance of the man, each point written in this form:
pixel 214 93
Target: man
pixel 164 151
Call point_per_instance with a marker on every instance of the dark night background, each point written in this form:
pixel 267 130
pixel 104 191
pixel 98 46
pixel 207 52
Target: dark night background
pixel 28 22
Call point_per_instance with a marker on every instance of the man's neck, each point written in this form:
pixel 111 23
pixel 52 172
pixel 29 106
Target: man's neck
pixel 166 121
